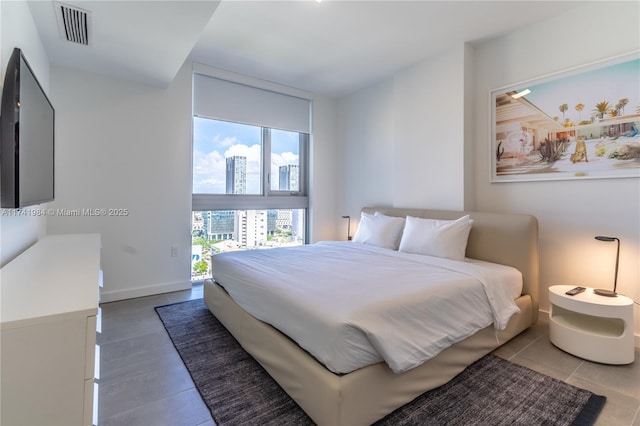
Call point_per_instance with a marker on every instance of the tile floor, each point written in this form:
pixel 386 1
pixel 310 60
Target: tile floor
pixel 143 382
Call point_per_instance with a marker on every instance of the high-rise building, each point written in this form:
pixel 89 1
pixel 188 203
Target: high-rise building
pixel 236 182
pixel 290 219
pixel 288 178
pixel 251 228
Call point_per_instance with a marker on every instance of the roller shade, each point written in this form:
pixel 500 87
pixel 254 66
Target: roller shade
pixel 225 100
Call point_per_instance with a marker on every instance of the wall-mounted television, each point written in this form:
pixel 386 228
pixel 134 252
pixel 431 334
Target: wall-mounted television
pixel 27 123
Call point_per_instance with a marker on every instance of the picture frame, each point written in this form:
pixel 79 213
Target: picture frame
pixel 580 123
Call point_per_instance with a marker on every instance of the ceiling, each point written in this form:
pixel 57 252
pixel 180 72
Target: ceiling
pixel 333 47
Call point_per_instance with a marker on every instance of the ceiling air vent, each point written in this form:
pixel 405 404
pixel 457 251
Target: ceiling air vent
pixel 74 23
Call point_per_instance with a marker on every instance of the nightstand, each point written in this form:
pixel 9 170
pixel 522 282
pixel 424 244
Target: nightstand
pixel 590 326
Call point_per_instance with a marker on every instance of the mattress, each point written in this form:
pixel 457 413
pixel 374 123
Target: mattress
pixel 351 305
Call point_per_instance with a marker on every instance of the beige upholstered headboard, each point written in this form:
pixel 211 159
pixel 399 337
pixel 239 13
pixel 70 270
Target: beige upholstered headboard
pixel 508 239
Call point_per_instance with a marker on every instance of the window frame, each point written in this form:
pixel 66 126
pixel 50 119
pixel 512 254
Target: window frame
pixel 303 162
pixel 269 199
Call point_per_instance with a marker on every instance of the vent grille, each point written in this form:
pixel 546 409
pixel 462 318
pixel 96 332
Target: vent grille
pixel 73 23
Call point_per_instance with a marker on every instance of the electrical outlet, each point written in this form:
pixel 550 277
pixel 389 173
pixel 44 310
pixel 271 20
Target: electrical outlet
pixel 175 251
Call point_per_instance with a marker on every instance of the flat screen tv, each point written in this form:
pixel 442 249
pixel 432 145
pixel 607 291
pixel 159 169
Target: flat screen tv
pixel 27 145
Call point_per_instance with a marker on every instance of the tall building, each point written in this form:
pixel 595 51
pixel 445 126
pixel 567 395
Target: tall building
pixel 290 219
pixel 289 178
pixel 236 182
pixel 251 228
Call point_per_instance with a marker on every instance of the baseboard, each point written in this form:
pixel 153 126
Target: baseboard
pixel 131 293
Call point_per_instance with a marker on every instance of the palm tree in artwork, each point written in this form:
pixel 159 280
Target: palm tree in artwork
pixel 619 108
pixel 601 109
pixel 579 108
pixel 622 103
pixel 563 108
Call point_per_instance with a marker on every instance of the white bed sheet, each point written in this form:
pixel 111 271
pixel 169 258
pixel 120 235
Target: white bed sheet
pixel 351 305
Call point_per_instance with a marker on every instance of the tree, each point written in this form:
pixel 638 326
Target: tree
pixel 617 109
pixel 200 267
pixel 206 245
pixel 562 109
pixel 622 103
pixel 601 109
pixel 579 108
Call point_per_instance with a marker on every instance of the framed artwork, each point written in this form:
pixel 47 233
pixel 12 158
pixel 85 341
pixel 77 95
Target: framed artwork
pixel 577 124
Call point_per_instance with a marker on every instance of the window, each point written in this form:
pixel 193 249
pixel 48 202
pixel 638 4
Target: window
pixel 285 160
pixel 229 159
pixel 218 231
pixel 250 186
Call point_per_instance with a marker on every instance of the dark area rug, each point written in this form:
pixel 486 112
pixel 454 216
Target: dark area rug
pixel 492 391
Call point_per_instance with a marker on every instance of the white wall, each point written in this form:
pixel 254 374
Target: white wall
pixel 403 139
pixel 570 213
pixel 365 129
pixel 20 229
pixel 426 132
pixel 470 150
pixel 125 145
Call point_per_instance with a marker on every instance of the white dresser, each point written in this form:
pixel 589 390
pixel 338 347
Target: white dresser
pixel 48 317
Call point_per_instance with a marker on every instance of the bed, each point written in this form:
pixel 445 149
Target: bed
pixel 346 394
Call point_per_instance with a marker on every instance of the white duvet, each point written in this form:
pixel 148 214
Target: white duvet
pixel 351 305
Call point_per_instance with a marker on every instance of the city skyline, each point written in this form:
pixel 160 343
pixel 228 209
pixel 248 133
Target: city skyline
pixel 214 141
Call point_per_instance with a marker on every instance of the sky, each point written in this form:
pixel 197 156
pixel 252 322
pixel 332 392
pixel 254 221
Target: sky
pixel 214 141
pixel 609 83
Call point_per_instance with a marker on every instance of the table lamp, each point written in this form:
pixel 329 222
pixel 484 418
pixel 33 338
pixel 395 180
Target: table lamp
pixel 603 292
pixel 348 227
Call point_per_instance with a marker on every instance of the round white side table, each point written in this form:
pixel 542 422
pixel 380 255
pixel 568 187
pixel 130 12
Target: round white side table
pixel 593 327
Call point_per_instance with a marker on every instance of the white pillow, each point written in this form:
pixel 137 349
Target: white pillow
pixel 399 227
pixel 379 230
pixel 440 238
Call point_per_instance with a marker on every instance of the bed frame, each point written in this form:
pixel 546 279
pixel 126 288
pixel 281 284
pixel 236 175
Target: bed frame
pixel 368 394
